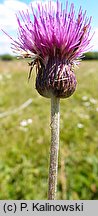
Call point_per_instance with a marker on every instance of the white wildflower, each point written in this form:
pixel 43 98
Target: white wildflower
pixel 80 125
pixel 93 101
pixel 84 98
pixel 87 104
pixel 23 123
pixel 97 109
pixel 29 121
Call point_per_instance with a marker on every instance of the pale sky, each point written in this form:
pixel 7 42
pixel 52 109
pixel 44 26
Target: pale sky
pixel 8 9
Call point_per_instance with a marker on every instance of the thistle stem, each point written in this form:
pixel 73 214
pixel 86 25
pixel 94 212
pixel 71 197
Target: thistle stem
pixel 55 116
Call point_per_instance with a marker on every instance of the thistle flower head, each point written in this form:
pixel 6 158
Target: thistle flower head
pixel 54 40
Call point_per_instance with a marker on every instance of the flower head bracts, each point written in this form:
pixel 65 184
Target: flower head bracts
pixel 53 32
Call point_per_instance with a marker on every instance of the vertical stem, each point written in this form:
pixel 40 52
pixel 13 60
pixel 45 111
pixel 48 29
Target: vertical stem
pixel 55 116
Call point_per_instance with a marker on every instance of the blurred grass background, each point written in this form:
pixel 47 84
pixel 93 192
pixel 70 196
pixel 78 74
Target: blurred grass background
pixel 25 136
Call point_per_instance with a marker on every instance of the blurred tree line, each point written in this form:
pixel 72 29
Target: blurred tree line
pixel 87 56
pixel 91 56
pixel 7 57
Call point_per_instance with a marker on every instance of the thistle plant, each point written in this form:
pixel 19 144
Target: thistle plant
pixel 54 39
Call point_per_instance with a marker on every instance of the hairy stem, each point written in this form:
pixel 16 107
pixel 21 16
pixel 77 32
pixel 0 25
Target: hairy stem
pixel 55 116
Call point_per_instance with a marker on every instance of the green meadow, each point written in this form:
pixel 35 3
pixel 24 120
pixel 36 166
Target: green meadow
pixel 25 136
